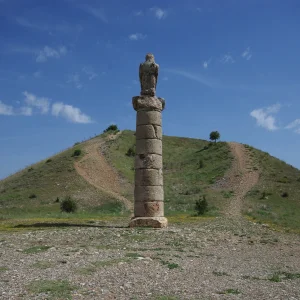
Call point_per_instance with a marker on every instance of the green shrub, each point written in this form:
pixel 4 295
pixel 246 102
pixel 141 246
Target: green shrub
pixel 76 153
pixel 201 164
pixel 48 160
pixel 201 206
pixel 130 152
pixel 284 194
pixel 68 205
pixel 112 127
pixel 32 196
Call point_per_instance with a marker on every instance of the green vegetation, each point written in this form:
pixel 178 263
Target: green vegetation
pixel 201 206
pixel 68 205
pixel 111 129
pixel 214 136
pixel 275 199
pixel 54 288
pixel 231 291
pixel 184 181
pixel 192 168
pixel 36 249
pixel 77 152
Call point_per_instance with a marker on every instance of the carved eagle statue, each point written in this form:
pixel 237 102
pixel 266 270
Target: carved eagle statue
pixel 148 74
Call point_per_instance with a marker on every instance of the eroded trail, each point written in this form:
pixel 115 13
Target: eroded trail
pixel 94 168
pixel 240 178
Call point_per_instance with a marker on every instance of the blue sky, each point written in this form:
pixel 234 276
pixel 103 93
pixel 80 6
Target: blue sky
pixel 69 68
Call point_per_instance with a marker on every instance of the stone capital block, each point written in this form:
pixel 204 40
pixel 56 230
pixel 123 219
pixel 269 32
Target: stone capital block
pixel 148 161
pixel 149 146
pixel 148 132
pixel 148 193
pixel 148 103
pixel 148 117
pixel 149 209
pixel 145 177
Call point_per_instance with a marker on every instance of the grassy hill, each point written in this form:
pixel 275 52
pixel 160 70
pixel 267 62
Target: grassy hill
pixel 191 169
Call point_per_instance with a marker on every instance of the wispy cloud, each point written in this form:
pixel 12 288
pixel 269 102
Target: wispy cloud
pixel 137 36
pixel 44 107
pixel 247 54
pixel 159 13
pixel 95 12
pixel 197 77
pixel 227 59
pixel 206 63
pixel 41 103
pixel 75 79
pixel 265 117
pixel 63 27
pixel 37 74
pixel 69 112
pixel 6 110
pixel 138 13
pixel 165 78
pixel 48 52
pixel 26 111
pixel 89 72
pixel 295 126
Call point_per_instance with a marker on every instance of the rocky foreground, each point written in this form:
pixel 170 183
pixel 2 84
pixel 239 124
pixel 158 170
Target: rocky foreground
pixel 212 259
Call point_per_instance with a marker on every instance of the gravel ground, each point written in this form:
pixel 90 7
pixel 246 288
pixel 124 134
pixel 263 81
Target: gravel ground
pixel 223 258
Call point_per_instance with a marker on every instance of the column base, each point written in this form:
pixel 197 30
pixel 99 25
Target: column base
pixel 154 222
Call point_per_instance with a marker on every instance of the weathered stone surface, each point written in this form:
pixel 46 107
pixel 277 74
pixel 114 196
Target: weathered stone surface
pixel 149 209
pixel 150 177
pixel 148 73
pixel 154 222
pixel 148 161
pixel 148 103
pixel 149 146
pixel 148 132
pixel 148 117
pixel 148 193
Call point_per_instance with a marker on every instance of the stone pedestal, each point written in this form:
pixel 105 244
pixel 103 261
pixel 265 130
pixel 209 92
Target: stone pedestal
pixel 148 192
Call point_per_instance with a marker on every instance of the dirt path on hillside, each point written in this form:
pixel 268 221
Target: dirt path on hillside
pixel 94 168
pixel 240 179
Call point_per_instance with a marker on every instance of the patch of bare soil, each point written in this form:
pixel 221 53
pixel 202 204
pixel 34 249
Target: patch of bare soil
pixel 212 259
pixel 94 168
pixel 240 179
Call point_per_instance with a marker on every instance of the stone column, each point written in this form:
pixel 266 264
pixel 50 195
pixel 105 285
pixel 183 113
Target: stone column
pixel 149 191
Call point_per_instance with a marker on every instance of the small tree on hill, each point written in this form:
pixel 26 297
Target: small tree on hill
pixel 112 127
pixel 214 136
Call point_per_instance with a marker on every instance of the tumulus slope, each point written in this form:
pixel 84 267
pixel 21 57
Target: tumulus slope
pixel 236 179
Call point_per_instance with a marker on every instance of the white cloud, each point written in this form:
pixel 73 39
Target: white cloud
pixel 137 36
pixel 294 124
pixel 227 58
pixel 95 12
pixel 297 130
pixel 265 117
pixel 247 54
pixel 26 111
pixel 159 13
pixel 37 74
pixel 75 79
pixel 165 78
pixel 89 72
pixel 138 13
pixel 206 63
pixel 48 52
pixel 69 112
pixel 40 103
pixel 6 110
